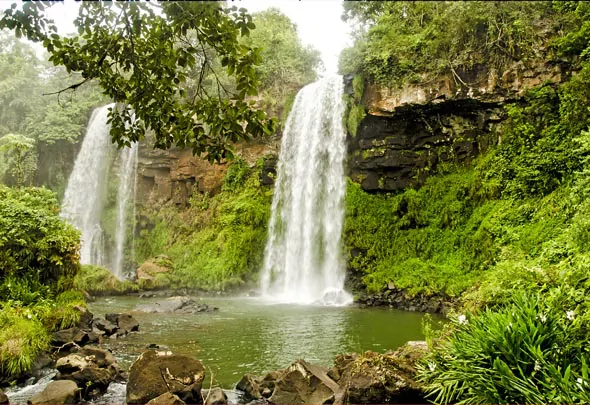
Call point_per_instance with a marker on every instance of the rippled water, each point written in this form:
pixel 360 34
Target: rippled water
pixel 248 335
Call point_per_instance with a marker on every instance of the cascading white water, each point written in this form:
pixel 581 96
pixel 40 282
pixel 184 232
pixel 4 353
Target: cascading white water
pixel 302 262
pixel 83 203
pixel 125 192
pixel 83 200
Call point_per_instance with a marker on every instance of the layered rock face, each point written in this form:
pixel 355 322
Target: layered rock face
pixel 165 175
pixel 408 132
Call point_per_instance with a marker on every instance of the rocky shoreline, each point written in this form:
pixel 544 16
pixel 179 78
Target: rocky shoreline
pixel 79 370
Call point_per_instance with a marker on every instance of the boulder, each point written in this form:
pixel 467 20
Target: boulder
pixel 166 398
pixel 379 378
pixel 178 304
pixel 107 327
pixel 304 383
pixel 155 373
pixel 3 398
pixel 57 392
pixel 250 388
pixel 125 323
pixel 86 317
pixel 91 368
pixel 68 338
pixel 216 396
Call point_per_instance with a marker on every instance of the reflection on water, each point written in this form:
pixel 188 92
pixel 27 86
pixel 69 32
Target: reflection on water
pixel 248 335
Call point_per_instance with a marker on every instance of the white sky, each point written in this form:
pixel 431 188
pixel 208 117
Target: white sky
pixel 318 22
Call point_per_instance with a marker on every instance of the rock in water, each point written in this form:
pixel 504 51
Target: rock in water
pixel 57 392
pixel 304 383
pixel 155 373
pixel 184 305
pixel 3 398
pixel 166 398
pixel 216 396
pixel 91 368
pixel 125 322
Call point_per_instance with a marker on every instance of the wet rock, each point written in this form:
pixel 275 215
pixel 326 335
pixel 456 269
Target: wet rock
pixel 216 396
pixel 91 368
pixel 3 398
pixel 125 323
pixel 249 387
pixel 380 378
pixel 86 317
pixel 166 398
pixel 65 339
pixel 155 373
pixel 305 383
pixel 57 392
pixel 179 304
pixel 107 327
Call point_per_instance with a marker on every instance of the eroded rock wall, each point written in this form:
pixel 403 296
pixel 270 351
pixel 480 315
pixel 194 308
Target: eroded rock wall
pixel 172 175
pixel 409 131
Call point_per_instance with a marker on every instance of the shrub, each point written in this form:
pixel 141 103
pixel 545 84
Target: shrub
pixel 531 351
pixel 35 244
pixel 97 280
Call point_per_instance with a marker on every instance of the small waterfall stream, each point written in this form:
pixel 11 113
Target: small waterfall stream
pixel 302 262
pixel 84 200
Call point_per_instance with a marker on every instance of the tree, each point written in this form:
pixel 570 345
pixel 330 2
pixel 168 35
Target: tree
pixel 288 65
pixel 20 151
pixel 141 59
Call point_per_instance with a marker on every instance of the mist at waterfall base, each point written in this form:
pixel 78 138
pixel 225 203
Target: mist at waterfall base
pixel 84 199
pixel 302 261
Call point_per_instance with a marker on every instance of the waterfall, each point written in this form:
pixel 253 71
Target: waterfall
pixel 302 261
pixel 125 192
pixel 84 197
pixel 84 200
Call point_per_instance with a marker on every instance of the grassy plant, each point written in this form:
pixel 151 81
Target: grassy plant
pixel 100 281
pixel 527 352
pixel 22 339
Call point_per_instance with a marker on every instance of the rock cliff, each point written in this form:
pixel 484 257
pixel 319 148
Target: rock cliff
pixel 173 174
pixel 409 131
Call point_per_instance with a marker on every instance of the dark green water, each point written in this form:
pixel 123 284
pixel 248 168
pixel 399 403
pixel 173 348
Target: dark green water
pixel 250 336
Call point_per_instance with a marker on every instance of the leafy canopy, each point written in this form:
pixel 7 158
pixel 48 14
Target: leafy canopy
pixel 142 58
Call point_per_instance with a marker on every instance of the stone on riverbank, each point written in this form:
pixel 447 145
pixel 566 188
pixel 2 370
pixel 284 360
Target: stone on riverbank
pixel 215 396
pixel 155 373
pixel 91 368
pixel 304 383
pixel 366 378
pixel 125 323
pixel 57 392
pixel 166 398
pixel 179 304
pixel 3 398
pixel 71 337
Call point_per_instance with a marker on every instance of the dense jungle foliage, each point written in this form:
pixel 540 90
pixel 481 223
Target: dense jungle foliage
pixel 507 235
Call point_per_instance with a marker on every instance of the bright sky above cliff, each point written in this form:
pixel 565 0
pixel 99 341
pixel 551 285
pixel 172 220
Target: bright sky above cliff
pixel 318 22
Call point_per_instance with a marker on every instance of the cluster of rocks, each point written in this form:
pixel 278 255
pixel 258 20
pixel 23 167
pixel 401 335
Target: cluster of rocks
pixel 161 377
pixel 83 374
pixel 397 298
pixel 367 378
pixel 116 325
pixel 179 304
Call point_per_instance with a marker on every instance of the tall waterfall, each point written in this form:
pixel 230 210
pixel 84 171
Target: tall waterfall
pixel 84 200
pixel 84 197
pixel 302 262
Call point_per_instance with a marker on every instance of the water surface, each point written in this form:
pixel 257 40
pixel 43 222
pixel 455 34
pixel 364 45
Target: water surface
pixel 248 335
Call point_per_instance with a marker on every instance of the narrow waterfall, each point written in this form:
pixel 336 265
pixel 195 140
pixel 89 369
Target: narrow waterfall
pixel 125 195
pixel 302 262
pixel 84 200
pixel 84 197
